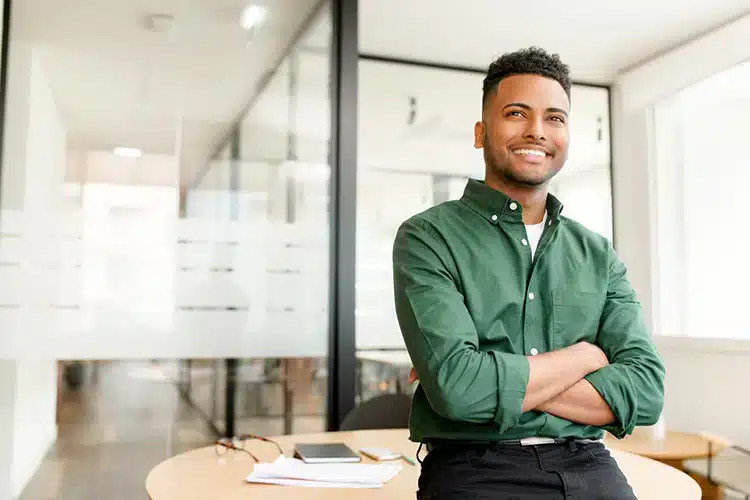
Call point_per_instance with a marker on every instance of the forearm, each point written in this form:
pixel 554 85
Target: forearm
pixel 580 403
pixel 634 390
pixel 471 386
pixel 552 373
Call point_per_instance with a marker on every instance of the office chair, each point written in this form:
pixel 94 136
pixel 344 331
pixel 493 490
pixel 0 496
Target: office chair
pixel 385 411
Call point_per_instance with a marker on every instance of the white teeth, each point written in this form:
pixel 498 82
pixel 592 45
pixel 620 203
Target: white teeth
pixel 529 152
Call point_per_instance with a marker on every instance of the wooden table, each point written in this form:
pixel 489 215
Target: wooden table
pixel 200 474
pixel 673 450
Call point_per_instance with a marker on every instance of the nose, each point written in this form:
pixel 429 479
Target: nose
pixel 535 130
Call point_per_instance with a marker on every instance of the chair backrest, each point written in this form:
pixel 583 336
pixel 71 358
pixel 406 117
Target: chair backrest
pixel 385 411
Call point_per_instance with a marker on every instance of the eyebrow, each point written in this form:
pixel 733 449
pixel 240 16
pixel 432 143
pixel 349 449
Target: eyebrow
pixel 526 106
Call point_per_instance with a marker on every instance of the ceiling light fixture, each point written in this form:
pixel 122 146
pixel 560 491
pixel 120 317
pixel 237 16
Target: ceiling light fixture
pixel 128 152
pixel 252 17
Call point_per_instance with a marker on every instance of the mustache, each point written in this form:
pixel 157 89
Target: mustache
pixel 549 148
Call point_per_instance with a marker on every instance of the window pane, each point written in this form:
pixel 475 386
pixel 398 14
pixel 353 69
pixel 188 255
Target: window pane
pixel 700 189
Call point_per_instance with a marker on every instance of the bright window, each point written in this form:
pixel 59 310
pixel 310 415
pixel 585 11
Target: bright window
pixel 701 184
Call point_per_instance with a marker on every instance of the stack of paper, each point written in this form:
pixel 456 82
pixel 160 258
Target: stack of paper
pixel 294 472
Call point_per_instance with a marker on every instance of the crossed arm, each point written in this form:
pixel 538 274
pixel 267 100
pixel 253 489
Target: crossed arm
pixel 616 384
pixel 556 385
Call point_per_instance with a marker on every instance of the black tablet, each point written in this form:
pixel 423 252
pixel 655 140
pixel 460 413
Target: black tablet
pixel 324 453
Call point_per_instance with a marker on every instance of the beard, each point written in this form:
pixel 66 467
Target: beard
pixel 502 167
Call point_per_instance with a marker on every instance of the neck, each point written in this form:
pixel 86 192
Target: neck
pixel 533 199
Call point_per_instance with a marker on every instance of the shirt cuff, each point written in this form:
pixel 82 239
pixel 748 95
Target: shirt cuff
pixel 610 384
pixel 512 379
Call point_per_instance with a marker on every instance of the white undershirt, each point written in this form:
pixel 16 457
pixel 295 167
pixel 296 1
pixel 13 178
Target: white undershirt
pixel 534 234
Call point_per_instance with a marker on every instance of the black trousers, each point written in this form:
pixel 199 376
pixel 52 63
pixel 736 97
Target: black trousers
pixel 571 470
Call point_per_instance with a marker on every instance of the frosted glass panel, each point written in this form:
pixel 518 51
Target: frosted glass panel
pixel 207 236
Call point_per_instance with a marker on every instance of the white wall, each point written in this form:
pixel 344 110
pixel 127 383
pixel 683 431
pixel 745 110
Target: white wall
pixel 7 430
pixel 33 172
pixel 35 418
pixel 702 391
pixel 706 387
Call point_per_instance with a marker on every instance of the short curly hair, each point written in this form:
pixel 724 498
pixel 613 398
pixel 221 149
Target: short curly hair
pixel 530 61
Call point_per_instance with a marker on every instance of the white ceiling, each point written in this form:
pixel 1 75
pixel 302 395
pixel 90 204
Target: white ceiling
pixel 596 38
pixel 116 83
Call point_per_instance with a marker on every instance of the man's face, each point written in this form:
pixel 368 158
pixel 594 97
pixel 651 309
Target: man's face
pixel 524 130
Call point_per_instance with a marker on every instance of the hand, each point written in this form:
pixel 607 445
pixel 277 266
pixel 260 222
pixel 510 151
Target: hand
pixel 592 356
pixel 413 375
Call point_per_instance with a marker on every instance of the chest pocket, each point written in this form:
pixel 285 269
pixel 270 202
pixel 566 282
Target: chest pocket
pixel 575 316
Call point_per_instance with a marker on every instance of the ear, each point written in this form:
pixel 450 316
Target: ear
pixel 479 135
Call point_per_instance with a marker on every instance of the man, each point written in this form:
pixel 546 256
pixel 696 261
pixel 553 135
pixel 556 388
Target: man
pixel 524 331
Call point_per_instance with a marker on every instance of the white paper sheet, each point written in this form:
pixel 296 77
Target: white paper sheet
pixel 310 484
pixel 294 472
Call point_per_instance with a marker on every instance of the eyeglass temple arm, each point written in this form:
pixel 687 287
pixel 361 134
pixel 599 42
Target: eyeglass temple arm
pixel 261 438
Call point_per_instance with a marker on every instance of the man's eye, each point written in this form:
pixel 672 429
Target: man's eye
pixel 515 113
pixel 558 118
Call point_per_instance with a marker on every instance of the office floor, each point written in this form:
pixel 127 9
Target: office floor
pixel 120 424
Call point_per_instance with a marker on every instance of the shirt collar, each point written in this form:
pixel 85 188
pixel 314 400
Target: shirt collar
pixel 495 205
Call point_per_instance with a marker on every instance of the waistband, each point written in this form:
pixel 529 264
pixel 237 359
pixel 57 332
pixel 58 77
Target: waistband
pixel 529 441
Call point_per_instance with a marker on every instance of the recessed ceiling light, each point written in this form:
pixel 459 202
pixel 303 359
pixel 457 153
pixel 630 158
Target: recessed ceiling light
pixel 128 152
pixel 252 17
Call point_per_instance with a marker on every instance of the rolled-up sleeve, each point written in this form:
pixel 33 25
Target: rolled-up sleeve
pixel 461 382
pixel 633 383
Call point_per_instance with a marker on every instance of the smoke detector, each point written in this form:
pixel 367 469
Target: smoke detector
pixel 158 22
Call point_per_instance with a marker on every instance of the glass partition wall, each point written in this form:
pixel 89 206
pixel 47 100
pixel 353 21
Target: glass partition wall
pixel 265 199
pixel 170 184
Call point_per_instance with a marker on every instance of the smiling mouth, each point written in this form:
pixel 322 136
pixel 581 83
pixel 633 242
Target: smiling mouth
pixel 530 152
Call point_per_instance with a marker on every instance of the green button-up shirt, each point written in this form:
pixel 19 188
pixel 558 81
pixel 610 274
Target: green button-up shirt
pixel 472 304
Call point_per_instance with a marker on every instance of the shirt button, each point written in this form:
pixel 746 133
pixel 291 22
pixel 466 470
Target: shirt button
pixel 531 296
pixel 549 223
pixel 534 351
pixel 513 206
pixel 524 242
pixel 494 217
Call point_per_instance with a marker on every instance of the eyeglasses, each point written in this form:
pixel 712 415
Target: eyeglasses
pixel 239 443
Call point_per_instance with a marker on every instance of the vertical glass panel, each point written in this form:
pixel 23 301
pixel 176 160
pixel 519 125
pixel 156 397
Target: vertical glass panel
pixel 164 225
pixel 282 176
pixel 584 184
